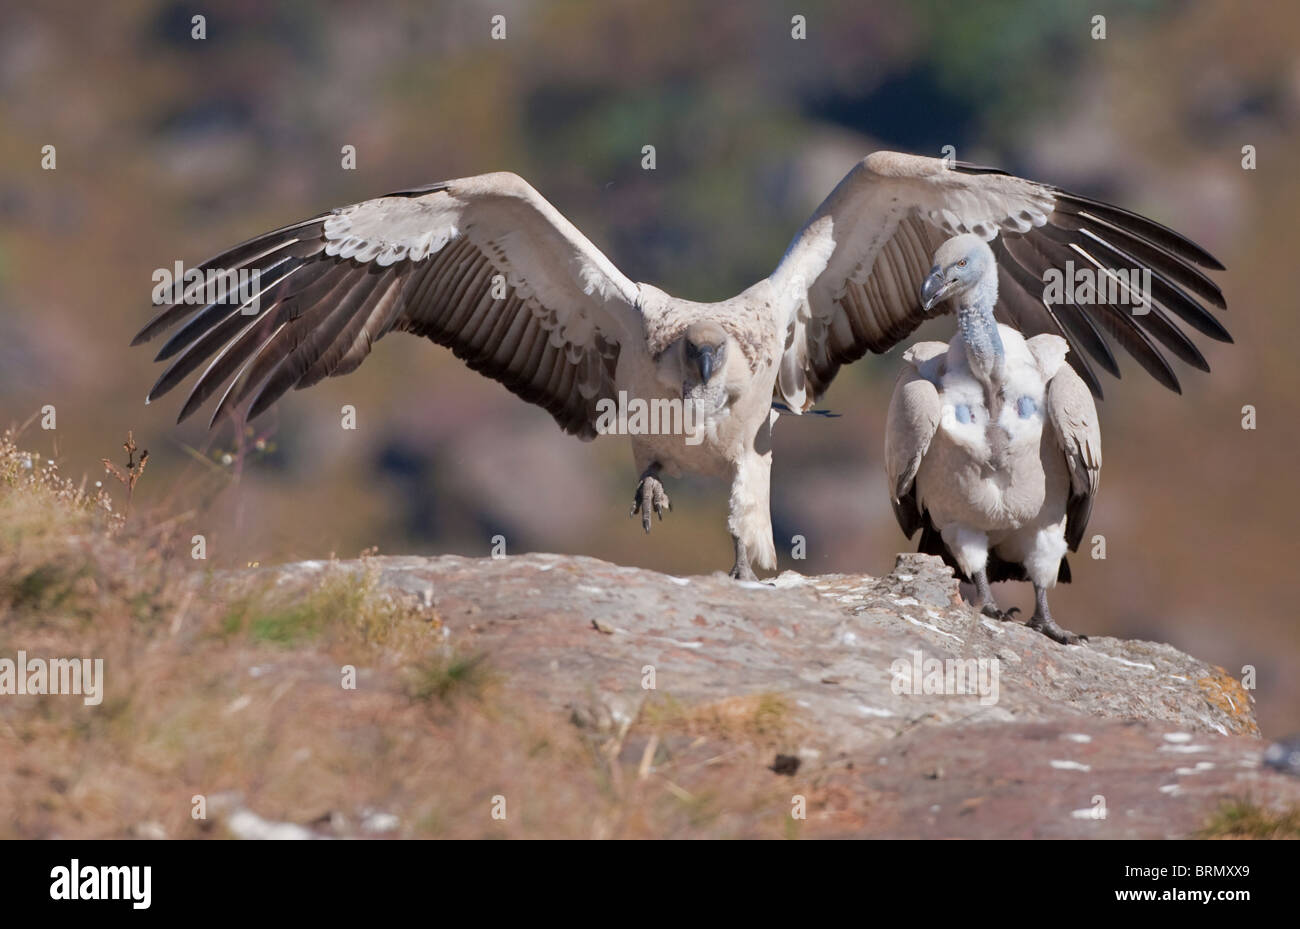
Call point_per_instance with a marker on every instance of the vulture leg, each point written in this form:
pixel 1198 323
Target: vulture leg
pixel 984 601
pixel 741 570
pixel 650 495
pixel 1043 622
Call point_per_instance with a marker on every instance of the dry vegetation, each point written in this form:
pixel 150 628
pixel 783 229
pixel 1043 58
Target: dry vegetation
pixel 230 685
pixel 1243 819
pixel 226 686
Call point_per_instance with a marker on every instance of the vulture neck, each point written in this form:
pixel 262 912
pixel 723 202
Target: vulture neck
pixel 979 332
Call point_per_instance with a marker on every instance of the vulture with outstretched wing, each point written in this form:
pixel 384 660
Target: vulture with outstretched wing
pixel 487 267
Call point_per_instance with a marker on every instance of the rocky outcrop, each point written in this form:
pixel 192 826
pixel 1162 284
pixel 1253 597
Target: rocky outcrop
pixel 935 721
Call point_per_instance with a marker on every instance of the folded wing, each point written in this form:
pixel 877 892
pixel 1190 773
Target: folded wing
pixel 914 412
pixel 1072 416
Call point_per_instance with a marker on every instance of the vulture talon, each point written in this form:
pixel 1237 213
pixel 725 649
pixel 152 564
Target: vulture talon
pixel 742 570
pixel 650 496
pixel 1048 627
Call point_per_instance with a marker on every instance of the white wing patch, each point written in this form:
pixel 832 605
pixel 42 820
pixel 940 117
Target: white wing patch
pixel 390 229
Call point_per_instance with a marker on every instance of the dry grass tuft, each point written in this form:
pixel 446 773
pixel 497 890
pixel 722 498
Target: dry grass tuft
pixel 1242 819
pixel 761 717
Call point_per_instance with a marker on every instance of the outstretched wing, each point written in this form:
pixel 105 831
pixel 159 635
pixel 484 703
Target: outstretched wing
pixel 913 419
pixel 483 265
pixel 855 270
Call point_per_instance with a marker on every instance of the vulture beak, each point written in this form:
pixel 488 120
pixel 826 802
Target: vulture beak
pixel 704 360
pixel 934 289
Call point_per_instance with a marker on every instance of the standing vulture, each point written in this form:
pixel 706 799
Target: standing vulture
pixel 487 267
pixel 992 445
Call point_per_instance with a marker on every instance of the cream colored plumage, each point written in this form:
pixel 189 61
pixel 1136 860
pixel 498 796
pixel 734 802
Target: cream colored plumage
pixel 1000 483
pixel 487 267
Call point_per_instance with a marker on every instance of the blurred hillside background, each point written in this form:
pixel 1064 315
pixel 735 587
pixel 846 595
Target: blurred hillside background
pixel 172 149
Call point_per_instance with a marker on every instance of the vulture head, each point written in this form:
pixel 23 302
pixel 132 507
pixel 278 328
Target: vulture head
pixel 961 264
pixel 705 347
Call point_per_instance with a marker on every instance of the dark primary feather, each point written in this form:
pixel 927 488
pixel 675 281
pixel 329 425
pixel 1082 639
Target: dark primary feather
pixel 244 255
pixel 319 315
pixel 1078 510
pixel 1039 253
pixel 1139 225
pixel 1025 312
pixel 1107 238
pixel 1144 228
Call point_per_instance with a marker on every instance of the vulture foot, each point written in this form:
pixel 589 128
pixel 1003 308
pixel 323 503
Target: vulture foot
pixel 741 570
pixel 1043 622
pixel 984 601
pixel 1048 627
pixel 650 495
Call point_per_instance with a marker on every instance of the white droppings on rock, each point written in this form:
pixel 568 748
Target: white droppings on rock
pixel 1069 765
pixel 245 824
pixel 1124 661
pixel 873 711
pixel 1177 737
pixel 664 638
pixel 151 830
pixel 930 626
pixel 1077 736
pixel 789 579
